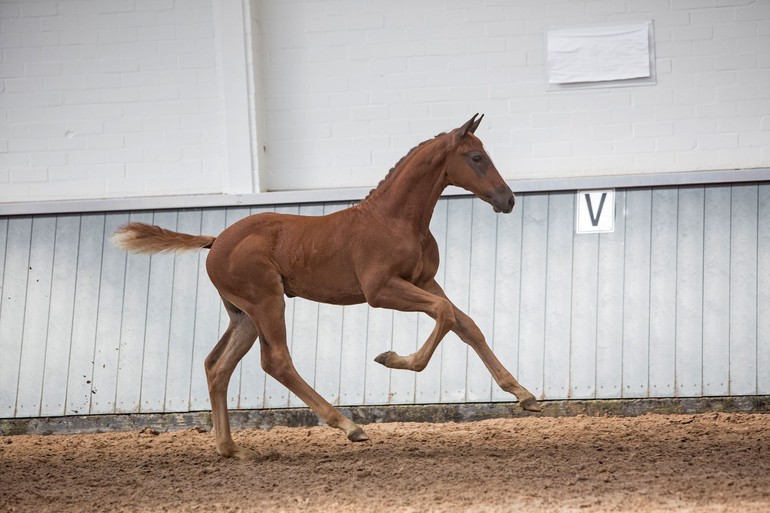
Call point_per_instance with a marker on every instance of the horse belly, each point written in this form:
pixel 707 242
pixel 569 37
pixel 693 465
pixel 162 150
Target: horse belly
pixel 315 259
pixel 329 294
pixel 325 284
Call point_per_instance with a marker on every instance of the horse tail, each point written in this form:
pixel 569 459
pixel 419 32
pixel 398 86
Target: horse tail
pixel 146 238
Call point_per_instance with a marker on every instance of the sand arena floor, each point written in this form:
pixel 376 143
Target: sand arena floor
pixel 704 463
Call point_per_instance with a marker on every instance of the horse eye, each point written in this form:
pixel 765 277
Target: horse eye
pixel 476 158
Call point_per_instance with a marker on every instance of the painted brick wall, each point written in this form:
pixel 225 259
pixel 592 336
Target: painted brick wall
pixel 351 86
pixel 105 98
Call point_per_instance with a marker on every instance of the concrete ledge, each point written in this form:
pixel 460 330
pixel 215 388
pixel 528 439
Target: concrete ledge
pixel 298 417
pixel 678 179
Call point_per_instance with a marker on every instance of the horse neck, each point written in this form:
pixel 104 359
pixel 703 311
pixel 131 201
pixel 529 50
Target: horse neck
pixel 413 190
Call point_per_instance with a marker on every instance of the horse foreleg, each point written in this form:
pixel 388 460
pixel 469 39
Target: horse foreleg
pixel 220 364
pixel 399 294
pixel 469 332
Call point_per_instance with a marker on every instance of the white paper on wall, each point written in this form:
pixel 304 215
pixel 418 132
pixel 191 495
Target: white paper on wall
pixel 596 54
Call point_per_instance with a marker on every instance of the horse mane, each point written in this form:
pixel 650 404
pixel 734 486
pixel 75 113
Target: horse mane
pixel 394 170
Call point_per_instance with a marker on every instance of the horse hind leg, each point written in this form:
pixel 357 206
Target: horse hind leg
pixel 220 364
pixel 277 362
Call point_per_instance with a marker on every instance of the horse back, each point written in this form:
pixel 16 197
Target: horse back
pixel 313 255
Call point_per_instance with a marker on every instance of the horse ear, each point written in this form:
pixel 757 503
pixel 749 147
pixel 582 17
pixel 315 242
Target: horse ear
pixel 470 126
pixel 476 124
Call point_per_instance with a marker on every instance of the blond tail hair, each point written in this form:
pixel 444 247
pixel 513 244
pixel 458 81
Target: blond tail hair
pixel 146 238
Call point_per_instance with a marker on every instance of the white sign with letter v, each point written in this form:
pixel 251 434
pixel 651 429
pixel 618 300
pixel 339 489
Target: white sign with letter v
pixel 595 211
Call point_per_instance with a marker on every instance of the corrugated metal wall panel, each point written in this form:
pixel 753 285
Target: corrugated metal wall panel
pixel 675 301
pixel 35 329
pixel 557 358
pixel 636 294
pixel 99 306
pixel 763 292
pixel 610 306
pixel 60 320
pixel 743 291
pixel 532 293
pixel 663 265
pixel 688 350
pixel 716 291
pixel 155 357
pixel 457 261
pixel 14 301
pixel 182 324
pixel 504 339
pixel 481 295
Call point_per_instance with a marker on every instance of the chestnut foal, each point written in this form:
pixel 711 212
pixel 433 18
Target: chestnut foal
pixel 379 251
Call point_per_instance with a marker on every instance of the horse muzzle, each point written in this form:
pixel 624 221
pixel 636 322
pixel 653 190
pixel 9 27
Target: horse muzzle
pixel 503 202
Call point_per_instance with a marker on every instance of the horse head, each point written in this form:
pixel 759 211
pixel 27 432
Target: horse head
pixel 468 166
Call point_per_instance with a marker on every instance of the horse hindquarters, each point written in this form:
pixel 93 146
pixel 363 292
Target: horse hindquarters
pixel 255 287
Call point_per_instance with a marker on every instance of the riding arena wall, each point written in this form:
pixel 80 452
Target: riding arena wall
pixel 675 302
pixel 194 114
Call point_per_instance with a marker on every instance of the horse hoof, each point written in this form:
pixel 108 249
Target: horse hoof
pixel 531 405
pixel 357 435
pixel 383 358
pixel 239 453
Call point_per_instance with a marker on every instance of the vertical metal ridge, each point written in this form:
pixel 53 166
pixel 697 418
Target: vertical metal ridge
pixel 676 290
pixel 23 315
pixel 756 297
pixel 492 336
pixel 195 320
pixel 571 301
pixel 702 284
pixel 596 318
pixel 470 290
pixel 48 316
pixel 521 270
pixel 152 259
pixel 170 319
pixel 649 290
pixel 545 289
pixel 98 302
pixel 120 327
pixel 72 322
pixel 730 300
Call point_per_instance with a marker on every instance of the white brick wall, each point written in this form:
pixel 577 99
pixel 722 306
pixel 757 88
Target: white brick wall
pixel 108 98
pixel 352 85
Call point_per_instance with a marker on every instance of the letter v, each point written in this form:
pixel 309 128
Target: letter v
pixel 595 220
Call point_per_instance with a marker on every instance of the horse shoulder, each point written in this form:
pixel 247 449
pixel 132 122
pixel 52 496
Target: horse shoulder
pixel 430 259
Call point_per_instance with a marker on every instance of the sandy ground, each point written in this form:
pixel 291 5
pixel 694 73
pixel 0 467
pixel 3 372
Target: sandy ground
pixel 704 463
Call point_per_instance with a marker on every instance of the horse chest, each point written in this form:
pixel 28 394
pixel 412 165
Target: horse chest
pixel 422 261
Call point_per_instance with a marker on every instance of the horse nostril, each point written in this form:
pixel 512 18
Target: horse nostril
pixel 509 204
